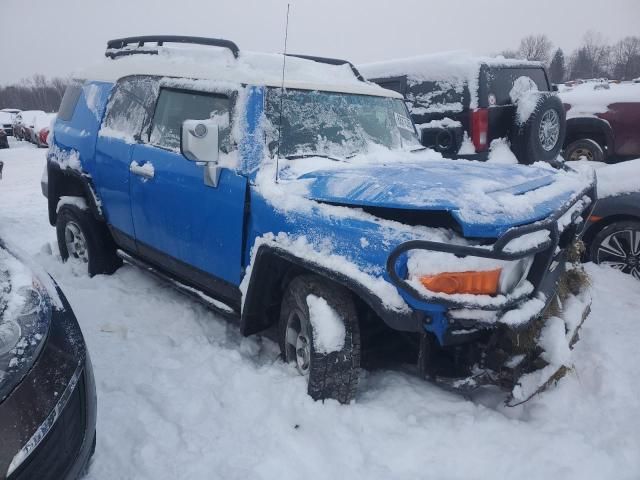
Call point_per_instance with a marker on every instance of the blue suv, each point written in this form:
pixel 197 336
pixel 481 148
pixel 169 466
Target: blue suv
pixel 287 192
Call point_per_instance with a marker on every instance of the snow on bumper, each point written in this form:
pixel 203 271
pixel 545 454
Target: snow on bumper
pixel 525 359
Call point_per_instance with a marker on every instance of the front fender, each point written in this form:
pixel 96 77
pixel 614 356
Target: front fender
pixel 273 264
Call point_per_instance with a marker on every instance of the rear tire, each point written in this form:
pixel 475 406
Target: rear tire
pixel 585 147
pixel 541 137
pixel 84 238
pixel 330 375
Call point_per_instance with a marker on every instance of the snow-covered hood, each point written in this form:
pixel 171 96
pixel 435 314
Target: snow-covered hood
pixel 484 199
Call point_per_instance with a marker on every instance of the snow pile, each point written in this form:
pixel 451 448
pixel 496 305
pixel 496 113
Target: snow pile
pixel 500 152
pixel 618 179
pixel 524 94
pixel 586 100
pixel 201 401
pixel 328 328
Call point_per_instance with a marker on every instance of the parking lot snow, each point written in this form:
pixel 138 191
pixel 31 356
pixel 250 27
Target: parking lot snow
pixel 181 394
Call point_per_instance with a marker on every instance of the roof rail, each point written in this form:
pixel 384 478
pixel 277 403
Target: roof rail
pixel 331 61
pixel 116 47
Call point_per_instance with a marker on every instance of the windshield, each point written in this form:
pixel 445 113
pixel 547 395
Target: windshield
pixel 337 125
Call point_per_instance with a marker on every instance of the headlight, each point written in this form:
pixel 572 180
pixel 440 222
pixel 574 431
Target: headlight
pixel 513 274
pixel 25 313
pixel 503 279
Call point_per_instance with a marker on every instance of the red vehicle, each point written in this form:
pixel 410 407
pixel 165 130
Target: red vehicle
pixel 603 121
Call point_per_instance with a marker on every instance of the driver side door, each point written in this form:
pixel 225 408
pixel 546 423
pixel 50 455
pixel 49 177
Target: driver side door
pixel 189 228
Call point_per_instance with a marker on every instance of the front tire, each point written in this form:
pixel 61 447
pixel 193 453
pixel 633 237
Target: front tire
pixel 85 239
pixel 618 245
pixel 330 375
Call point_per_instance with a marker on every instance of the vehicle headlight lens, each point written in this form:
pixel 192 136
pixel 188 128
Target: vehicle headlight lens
pixel 477 283
pixel 501 280
pixel 513 274
pixel 24 323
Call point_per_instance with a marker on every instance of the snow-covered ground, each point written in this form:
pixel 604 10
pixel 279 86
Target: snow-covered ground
pixel 182 395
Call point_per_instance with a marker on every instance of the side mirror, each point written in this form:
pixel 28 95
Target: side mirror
pixel 199 141
pixel 554 88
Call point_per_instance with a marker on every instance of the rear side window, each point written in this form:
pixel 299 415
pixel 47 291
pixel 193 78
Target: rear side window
pixel 500 81
pixel 69 101
pixel 130 107
pixel 176 106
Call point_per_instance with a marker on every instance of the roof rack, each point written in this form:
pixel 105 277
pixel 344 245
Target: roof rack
pixel 117 47
pixel 331 61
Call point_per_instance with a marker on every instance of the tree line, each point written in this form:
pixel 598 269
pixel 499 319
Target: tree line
pixel 594 58
pixel 35 93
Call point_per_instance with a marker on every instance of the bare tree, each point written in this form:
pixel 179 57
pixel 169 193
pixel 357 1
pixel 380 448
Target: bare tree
pixel 35 93
pixel 625 57
pixel 509 53
pixel 535 47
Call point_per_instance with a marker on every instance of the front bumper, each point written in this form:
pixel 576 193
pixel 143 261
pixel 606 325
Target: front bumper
pixel 48 422
pixel 521 359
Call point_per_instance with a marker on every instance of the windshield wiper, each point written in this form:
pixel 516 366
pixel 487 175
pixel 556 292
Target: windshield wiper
pixel 310 155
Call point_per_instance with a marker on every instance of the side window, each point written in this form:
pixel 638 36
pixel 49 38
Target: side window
pixel 176 106
pixel 69 101
pixel 130 107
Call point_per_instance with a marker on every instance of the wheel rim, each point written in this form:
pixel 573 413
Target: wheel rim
pixel 578 153
pixel 76 243
pixel 549 131
pixel 621 250
pixel 298 342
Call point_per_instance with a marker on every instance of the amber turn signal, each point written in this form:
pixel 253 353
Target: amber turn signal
pixel 477 283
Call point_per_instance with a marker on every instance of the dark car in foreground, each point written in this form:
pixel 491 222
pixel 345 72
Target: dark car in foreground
pixel 47 389
pixel 612 236
pixel 602 121
pixel 461 104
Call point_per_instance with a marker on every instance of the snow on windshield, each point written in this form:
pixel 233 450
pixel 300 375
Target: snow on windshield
pixel 336 124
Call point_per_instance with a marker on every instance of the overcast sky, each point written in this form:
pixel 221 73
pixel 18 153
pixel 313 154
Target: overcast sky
pixel 54 37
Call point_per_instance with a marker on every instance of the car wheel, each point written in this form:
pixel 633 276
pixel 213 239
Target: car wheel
pixel 81 237
pixel 584 148
pixel 541 137
pixel 618 245
pixel 330 374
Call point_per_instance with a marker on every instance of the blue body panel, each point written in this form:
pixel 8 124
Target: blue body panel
pixel 213 229
pixel 178 215
pixel 437 186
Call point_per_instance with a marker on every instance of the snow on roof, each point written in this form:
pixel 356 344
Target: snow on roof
pixel 591 98
pixel 457 69
pixel 250 68
pixel 445 66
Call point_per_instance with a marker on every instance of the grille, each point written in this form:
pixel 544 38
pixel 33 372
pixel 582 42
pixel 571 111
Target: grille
pixel 57 452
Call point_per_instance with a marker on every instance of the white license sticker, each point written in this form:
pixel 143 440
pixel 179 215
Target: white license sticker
pixel 403 122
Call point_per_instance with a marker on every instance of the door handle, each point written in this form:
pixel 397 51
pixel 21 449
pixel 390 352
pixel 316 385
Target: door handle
pixel 145 170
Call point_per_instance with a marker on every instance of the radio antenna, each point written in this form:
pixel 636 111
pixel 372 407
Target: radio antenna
pixel 284 64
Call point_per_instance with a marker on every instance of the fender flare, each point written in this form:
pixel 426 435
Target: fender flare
pixel 54 190
pixel 267 272
pixel 588 125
